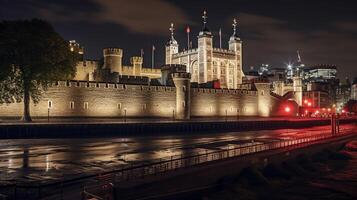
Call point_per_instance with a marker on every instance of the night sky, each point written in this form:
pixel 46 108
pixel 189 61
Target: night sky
pixel 324 31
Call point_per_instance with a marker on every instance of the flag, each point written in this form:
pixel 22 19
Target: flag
pixel 220 32
pixel 142 52
pixel 153 47
pixel 188 30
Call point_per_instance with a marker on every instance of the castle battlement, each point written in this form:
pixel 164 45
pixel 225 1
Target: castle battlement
pixel 112 51
pixel 150 70
pixel 181 75
pixel 224 91
pixel 225 51
pixel 186 52
pixel 86 63
pixel 136 60
pixel 93 84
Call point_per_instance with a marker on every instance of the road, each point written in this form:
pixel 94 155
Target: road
pixel 52 159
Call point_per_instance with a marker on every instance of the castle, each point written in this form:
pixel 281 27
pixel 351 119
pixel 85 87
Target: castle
pixel 207 63
pixel 110 89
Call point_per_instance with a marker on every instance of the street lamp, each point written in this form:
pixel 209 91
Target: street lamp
pixel 49 106
pixel 287 109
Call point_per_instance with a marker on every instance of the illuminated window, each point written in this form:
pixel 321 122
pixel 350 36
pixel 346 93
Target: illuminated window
pixel 49 104
pixel 119 106
pixel 71 105
pixel 85 105
pixel 262 92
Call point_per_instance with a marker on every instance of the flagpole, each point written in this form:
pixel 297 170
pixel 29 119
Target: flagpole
pixel 188 37
pixel 220 38
pixel 152 56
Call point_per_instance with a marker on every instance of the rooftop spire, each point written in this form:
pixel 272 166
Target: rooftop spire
pixel 172 39
pixel 172 31
pixel 204 17
pixel 234 27
pixel 234 37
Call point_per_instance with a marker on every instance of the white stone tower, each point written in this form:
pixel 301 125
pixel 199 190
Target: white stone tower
pixel 235 44
pixel 171 47
pixel 182 81
pixel 205 53
pixel 297 86
pixel 113 59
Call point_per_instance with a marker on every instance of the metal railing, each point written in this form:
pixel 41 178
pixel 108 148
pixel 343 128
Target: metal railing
pixel 139 171
pixel 177 162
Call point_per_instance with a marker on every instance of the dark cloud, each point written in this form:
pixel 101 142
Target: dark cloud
pixel 148 17
pixel 323 30
pixel 270 40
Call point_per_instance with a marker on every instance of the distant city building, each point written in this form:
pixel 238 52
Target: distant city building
pixel 320 73
pixel 354 91
pixel 251 74
pixel 317 99
pixel 343 93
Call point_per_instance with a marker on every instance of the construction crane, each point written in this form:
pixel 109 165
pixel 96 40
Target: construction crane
pixel 298 55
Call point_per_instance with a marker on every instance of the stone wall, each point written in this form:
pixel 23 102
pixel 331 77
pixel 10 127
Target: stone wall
pixel 100 100
pixel 91 99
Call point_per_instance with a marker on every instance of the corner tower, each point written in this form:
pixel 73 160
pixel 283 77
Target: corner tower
pixel 235 44
pixel 182 81
pixel 171 47
pixel 113 59
pixel 205 53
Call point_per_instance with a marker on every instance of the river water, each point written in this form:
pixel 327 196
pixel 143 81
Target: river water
pixel 50 159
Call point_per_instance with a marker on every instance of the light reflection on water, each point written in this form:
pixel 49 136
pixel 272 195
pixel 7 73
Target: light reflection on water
pixel 59 157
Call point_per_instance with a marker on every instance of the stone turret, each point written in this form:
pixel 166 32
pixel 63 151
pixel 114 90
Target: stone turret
pixel 205 53
pixel 137 63
pixel 297 86
pixel 183 97
pixel 263 98
pixel 113 59
pixel 171 47
pixel 235 44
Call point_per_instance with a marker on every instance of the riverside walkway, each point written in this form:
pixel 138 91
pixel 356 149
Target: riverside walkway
pixel 61 128
pixel 132 174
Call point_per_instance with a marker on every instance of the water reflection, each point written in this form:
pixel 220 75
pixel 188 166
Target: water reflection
pixel 54 158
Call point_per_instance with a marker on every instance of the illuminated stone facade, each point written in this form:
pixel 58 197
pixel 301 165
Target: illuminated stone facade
pixel 92 99
pixel 207 63
pixel 110 89
pixel 112 66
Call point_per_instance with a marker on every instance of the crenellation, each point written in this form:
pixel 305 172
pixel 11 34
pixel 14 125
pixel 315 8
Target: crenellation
pixel 190 51
pixel 111 85
pixel 92 84
pixel 83 84
pixel 102 85
pixel 225 51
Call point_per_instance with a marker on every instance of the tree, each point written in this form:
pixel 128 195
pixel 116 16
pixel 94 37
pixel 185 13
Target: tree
pixel 32 55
